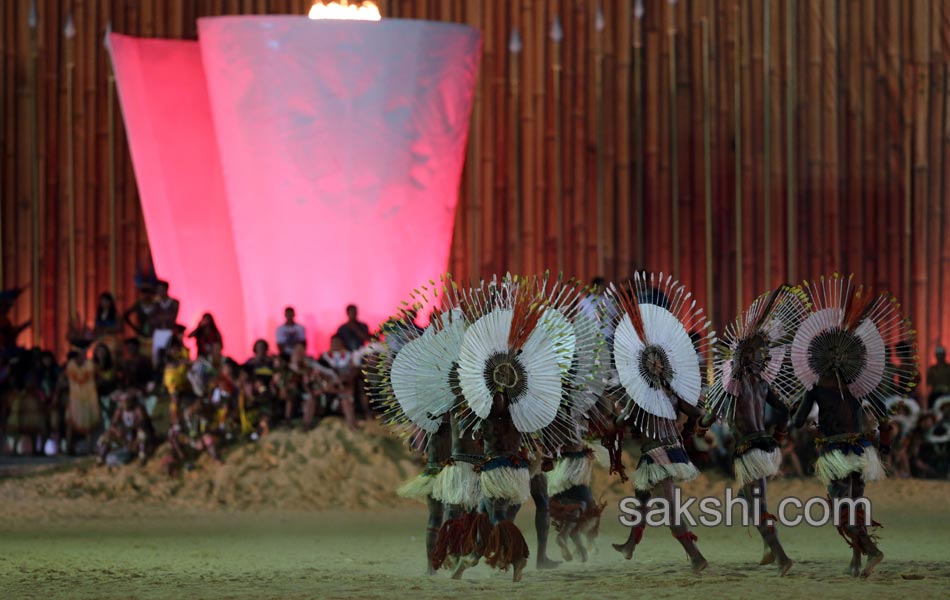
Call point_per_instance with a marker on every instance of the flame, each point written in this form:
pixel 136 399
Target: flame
pixel 343 10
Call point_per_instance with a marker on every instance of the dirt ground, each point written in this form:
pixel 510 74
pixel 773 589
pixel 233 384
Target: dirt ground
pixel 72 534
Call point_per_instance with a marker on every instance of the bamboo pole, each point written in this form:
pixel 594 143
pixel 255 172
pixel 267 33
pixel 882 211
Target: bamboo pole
pixel 638 124
pixel 767 112
pixel 69 33
pixel 35 174
pixel 737 111
pixel 599 109
pixel 514 53
pixel 707 170
pixel 113 234
pixel 557 35
pixel 790 143
pixel 941 251
pixel 674 150
pixel 921 169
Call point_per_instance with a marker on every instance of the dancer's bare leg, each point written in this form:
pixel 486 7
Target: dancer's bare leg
pixel 349 412
pixel 432 531
pixel 542 519
pixel 636 533
pixel 875 556
pixel 686 538
pixel 755 492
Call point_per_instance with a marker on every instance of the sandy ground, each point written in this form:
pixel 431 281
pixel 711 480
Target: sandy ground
pixel 95 543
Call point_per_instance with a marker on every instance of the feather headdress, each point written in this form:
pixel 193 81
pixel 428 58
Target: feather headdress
pixel 759 342
pixel 848 332
pixel 661 339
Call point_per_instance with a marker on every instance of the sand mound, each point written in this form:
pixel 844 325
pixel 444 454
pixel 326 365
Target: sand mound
pixel 330 467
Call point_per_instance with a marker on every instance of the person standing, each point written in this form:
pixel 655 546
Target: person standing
pixel 290 333
pixel 164 318
pixel 938 377
pixel 82 410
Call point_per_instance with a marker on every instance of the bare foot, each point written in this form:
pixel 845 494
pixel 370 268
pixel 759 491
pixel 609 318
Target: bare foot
pixel 565 551
pixel 519 568
pixel 767 558
pixel 873 561
pixel 855 568
pixel 785 566
pixel 546 563
pixel 581 551
pixel 464 563
pixel 699 565
pixel 625 549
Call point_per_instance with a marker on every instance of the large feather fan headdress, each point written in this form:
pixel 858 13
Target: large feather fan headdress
pixel 520 346
pixel 848 333
pixel 413 377
pixel 759 343
pixel 661 341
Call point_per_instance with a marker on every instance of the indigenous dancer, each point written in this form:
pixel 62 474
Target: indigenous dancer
pixel 658 364
pixel 411 385
pixel 129 428
pixel 575 513
pixel 753 369
pixel 839 356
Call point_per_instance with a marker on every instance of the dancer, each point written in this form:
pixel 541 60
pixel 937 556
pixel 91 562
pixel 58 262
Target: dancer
pixel 438 451
pixel 839 356
pixel 575 513
pixel 658 364
pixel 753 369
pixel 411 386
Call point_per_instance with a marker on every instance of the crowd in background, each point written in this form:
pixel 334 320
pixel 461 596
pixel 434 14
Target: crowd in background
pixel 119 396
pixel 131 383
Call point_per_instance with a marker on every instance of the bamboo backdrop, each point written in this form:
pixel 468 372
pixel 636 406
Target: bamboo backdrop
pixel 843 117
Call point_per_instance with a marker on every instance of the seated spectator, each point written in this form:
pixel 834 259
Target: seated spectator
pixel 192 435
pixel 261 356
pixel 938 377
pixel 344 364
pixel 206 334
pixel 128 431
pixel 354 333
pixel 290 333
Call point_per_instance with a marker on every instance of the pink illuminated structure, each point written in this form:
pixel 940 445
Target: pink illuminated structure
pixel 285 161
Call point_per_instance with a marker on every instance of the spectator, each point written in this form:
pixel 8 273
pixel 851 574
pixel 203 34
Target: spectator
pixel 163 319
pixel 139 316
pixel 106 372
pixel 290 333
pixel 82 411
pixel 128 431
pixel 135 371
pixel 344 365
pixel 8 331
pixel 938 377
pixel 206 334
pixel 108 327
pixel 354 333
pixel 261 358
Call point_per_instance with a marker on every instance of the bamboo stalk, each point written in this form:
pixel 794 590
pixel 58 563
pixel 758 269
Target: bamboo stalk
pixel 790 144
pixel 70 167
pixel 737 112
pixel 638 125
pixel 514 53
pixel 942 251
pixel 35 173
pixel 674 159
pixel 113 234
pixel 556 36
pixel 707 171
pixel 599 109
pixel 766 109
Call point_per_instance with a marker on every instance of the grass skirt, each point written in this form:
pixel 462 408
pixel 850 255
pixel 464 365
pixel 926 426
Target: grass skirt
pixel 509 483
pixel 757 464
pixel 838 463
pixel 570 471
pixel 664 462
pixel 418 488
pixel 458 484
